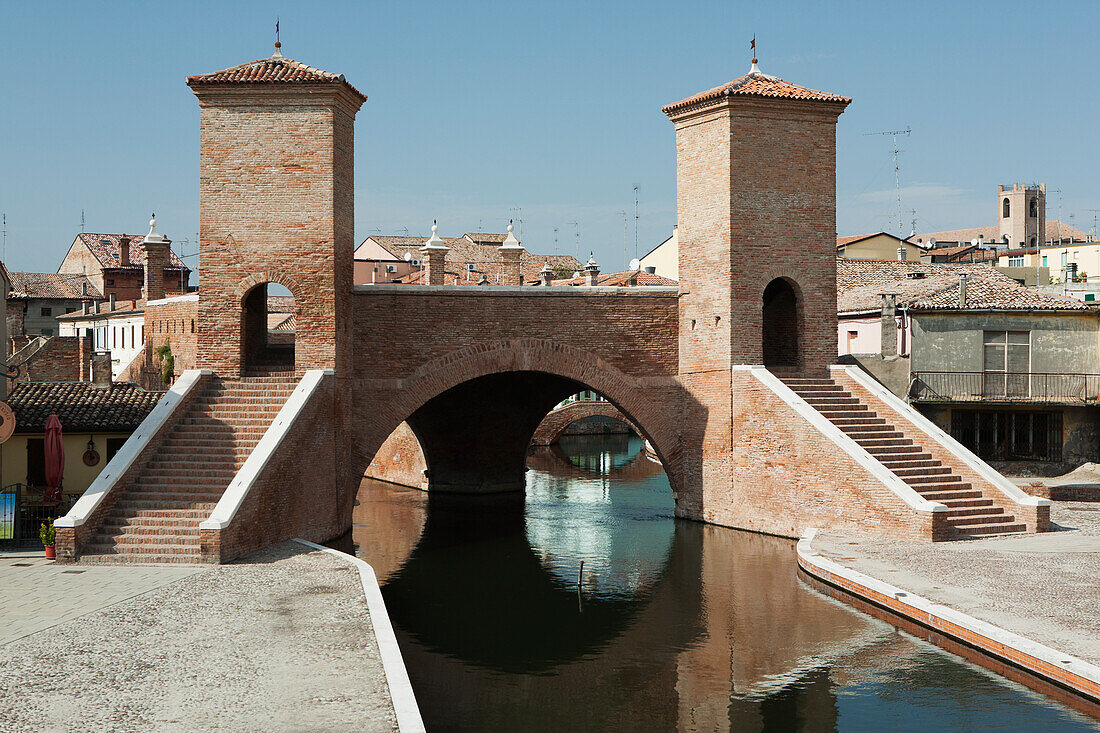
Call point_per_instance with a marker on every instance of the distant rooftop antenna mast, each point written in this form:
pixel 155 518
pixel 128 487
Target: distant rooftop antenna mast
pixel 626 258
pixel 636 209
pixel 82 220
pixel 577 236
pixel 897 171
pixel 4 231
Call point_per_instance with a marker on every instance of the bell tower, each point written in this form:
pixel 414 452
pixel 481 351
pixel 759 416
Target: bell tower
pixel 276 206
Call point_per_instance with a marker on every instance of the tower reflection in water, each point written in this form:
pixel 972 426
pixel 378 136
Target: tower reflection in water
pixel 671 625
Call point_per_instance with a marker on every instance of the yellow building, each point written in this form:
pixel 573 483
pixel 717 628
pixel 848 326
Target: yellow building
pixel 664 258
pixel 95 422
pixel 877 246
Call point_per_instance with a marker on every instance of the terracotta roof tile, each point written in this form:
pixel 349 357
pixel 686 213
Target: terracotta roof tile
pixel 51 285
pixel 271 71
pixel 925 286
pixel 106 248
pixel 484 257
pixel 80 406
pixel 758 85
pixel 628 278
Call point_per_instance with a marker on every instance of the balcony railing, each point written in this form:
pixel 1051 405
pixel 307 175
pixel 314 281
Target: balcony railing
pixel 1004 387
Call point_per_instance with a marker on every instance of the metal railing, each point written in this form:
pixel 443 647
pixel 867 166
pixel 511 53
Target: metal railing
pixel 1004 387
pixel 22 512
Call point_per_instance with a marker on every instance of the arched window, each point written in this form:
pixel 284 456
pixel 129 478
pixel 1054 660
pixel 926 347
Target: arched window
pixel 1033 208
pixel 1006 209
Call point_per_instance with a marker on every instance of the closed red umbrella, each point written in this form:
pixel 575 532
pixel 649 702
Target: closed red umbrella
pixel 55 459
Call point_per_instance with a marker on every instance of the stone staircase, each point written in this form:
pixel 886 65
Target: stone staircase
pixel 970 511
pixel 156 518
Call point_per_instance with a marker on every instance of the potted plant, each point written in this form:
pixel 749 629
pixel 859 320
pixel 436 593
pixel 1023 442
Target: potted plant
pixel 47 534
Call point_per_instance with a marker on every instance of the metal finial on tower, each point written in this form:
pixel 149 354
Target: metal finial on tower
pixel 754 69
pixel 278 46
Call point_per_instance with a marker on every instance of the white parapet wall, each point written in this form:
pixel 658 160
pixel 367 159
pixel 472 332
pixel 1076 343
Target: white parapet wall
pixel 843 441
pixel 267 449
pixel 128 454
pixel 933 431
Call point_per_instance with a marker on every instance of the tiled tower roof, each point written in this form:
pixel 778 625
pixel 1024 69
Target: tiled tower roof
pixel 757 84
pixel 274 70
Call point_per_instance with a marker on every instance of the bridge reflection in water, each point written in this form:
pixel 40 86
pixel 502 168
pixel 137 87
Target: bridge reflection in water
pixel 676 625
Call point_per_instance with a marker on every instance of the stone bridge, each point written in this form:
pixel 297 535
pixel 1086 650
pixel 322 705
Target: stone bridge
pixel 266 442
pixel 555 424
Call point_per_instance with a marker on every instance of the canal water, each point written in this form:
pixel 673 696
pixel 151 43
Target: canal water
pixel 669 624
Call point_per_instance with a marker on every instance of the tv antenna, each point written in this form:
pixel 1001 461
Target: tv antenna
pixel 636 210
pixel 555 240
pixel 518 216
pixel 4 231
pixel 82 220
pixel 897 169
pixel 1095 217
pixel 577 236
pixel 623 215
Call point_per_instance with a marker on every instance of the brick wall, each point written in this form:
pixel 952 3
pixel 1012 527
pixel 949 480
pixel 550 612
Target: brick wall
pixel 400 460
pixel 61 359
pixel 177 323
pixel 276 192
pixel 786 477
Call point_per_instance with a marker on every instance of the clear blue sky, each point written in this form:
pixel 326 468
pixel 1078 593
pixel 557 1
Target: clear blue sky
pixel 553 107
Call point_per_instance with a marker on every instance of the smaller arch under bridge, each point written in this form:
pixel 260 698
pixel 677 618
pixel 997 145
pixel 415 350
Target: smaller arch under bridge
pixel 554 425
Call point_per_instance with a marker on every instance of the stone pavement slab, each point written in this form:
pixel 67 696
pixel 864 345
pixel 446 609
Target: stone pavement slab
pixel 36 594
pixel 280 641
pixel 1045 587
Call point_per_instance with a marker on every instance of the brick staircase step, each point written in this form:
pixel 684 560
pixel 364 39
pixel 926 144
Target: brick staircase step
pixel 935 479
pixel 953 504
pixel 921 461
pixel 993 528
pixel 973 511
pixel 940 496
pixel 923 471
pixel 892 450
pixel 982 519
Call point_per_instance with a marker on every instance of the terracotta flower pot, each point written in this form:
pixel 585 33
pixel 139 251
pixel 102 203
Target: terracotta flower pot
pixel 50 554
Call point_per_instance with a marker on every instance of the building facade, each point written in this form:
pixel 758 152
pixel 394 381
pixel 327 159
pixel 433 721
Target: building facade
pixel 1011 372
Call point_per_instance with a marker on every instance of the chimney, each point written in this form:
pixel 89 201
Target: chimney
pixel 101 369
pixel 889 327
pixel 546 275
pixel 510 253
pixel 902 256
pixel 591 271
pixel 156 259
pixel 434 254
pixel 123 251
pixel 962 290
pixel 651 269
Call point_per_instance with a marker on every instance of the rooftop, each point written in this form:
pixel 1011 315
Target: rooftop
pixel 935 287
pixel 757 84
pixel 629 278
pixel 81 406
pixel 274 70
pixel 106 248
pixel 52 285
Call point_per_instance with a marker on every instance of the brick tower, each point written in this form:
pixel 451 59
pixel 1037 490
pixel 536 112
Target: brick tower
pixel 276 206
pixel 756 218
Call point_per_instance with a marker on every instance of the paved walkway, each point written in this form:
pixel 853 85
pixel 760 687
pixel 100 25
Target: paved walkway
pixel 36 593
pixel 281 642
pixel 1045 587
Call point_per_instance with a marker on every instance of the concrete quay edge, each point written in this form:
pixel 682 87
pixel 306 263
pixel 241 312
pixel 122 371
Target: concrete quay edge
pixel 397 677
pixel 1050 665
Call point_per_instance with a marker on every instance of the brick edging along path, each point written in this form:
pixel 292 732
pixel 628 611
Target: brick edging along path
pixel 1055 671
